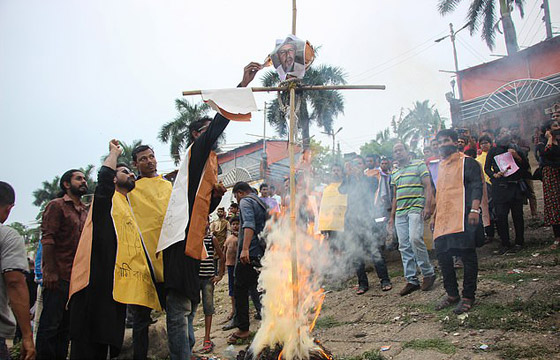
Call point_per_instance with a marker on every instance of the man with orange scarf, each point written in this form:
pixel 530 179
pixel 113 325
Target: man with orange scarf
pixel 196 193
pixel 457 221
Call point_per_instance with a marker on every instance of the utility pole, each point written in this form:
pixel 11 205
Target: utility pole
pixel 451 36
pixel 333 135
pixel 546 18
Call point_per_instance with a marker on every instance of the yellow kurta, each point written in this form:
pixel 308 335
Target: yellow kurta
pixel 149 201
pixel 133 282
pixel 332 210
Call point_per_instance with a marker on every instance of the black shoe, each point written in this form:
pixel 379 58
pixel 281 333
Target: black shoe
pixel 258 316
pixel 229 326
pixel 517 248
pixel 502 250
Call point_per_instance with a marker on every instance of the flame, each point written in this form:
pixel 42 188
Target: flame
pixel 288 322
pixel 318 311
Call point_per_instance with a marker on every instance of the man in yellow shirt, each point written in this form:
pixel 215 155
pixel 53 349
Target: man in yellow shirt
pixel 485 144
pixel 149 201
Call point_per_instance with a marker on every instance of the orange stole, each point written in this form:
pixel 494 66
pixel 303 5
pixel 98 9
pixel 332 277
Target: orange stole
pixel 79 278
pixel 194 246
pixel 450 196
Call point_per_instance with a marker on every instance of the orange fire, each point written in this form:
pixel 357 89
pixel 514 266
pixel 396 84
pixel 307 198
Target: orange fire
pixel 290 308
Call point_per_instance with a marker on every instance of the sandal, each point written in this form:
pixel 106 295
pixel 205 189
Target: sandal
pixel 555 245
pixel 233 338
pixel 446 302
pixel 361 291
pixel 386 286
pixel 463 306
pixel 208 347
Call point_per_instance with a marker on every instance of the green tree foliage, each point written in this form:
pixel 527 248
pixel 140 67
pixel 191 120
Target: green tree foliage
pixel 126 156
pixel 30 235
pixel 176 132
pixel 421 122
pixel 320 107
pixel 485 13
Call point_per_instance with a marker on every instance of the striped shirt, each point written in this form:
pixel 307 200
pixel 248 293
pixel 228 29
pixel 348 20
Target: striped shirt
pixel 207 265
pixel 410 190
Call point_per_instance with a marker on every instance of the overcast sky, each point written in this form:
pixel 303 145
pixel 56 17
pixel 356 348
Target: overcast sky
pixel 74 74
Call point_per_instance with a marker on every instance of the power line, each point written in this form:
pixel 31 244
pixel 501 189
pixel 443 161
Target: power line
pixel 352 77
pixel 471 50
pixel 529 16
pixel 398 63
pixel 532 25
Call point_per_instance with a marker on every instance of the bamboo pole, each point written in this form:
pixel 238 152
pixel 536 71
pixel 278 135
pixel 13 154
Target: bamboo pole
pixel 293 242
pixel 303 88
pixel 294 16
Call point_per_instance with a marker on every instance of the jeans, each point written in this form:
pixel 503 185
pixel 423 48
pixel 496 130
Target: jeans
pixel 180 312
pixel 509 197
pixel 4 352
pixel 490 229
pixel 246 279
pixel 141 320
pixel 410 231
pixel 52 335
pixel 470 272
pixel 38 311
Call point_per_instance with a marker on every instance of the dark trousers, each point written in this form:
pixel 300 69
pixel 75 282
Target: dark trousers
pixel 141 320
pixel 470 272
pixel 508 197
pixel 556 230
pixel 371 248
pixel 83 350
pixel 52 335
pixel 490 229
pixel 380 269
pixel 246 278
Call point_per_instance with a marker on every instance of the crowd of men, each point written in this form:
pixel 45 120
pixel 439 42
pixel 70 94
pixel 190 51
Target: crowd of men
pixel 146 244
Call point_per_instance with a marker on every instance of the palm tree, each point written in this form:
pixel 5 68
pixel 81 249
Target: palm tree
pixel 422 121
pixel 321 107
pixel 126 156
pixel 176 132
pixel 47 192
pixel 484 12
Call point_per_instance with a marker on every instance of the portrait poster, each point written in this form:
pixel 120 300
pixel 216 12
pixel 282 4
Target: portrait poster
pixel 288 58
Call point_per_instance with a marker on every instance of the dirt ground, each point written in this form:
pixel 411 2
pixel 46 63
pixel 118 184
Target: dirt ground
pixel 516 315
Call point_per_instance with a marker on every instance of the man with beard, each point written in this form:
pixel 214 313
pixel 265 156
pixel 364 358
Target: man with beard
pixel 63 221
pixel 457 225
pixel 111 267
pixel 287 56
pixel 412 205
pixel 196 193
pixel 509 191
pixel 149 202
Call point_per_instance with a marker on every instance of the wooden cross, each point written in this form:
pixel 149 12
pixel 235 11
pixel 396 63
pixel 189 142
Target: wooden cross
pixel 292 144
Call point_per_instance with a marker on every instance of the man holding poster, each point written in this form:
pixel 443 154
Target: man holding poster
pixel 507 169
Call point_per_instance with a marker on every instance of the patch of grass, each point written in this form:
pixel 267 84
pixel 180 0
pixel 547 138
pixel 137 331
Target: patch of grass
pixel 396 273
pixel 518 315
pixel 327 322
pixel 368 355
pixel 513 352
pixel 513 278
pixel 441 345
